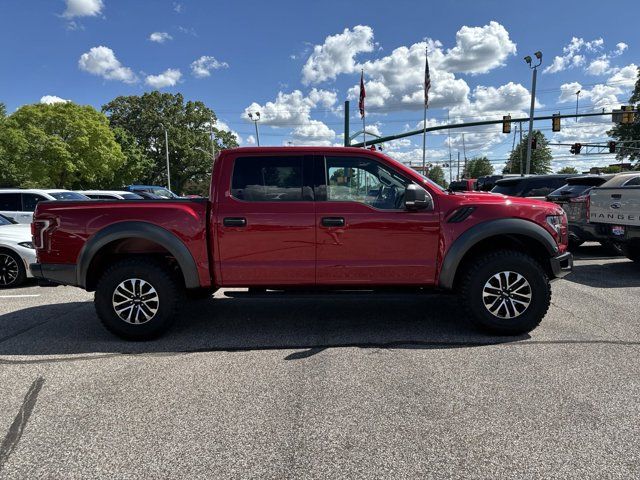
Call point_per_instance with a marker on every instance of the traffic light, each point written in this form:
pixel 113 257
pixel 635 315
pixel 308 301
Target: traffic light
pixel 506 124
pixel 555 122
pixel 612 147
pixel 627 114
pixel 575 148
pixel 534 143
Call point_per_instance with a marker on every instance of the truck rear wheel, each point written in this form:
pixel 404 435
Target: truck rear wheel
pixel 136 298
pixel 506 292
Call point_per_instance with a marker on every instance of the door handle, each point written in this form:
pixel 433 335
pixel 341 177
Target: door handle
pixel 234 222
pixel 332 222
pixel 616 196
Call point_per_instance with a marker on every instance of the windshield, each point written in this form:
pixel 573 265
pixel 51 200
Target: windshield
pixel 68 196
pixel 5 221
pixel 570 190
pixel 131 196
pixel 164 193
pixel 507 188
pixel 432 183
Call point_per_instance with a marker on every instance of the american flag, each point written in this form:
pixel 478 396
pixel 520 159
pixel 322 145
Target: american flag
pixel 363 94
pixel 427 78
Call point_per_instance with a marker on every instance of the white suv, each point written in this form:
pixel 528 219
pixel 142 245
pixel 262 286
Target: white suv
pixel 19 203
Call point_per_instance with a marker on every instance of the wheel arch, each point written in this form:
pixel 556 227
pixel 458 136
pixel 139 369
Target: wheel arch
pixel 503 233
pixel 144 233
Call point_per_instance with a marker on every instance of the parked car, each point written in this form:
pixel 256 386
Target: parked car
pixel 307 217
pixel 19 204
pixel 149 195
pixel 487 182
pixel 160 192
pixel 572 197
pixel 533 186
pixel 464 185
pixel 16 252
pixel 614 211
pixel 110 195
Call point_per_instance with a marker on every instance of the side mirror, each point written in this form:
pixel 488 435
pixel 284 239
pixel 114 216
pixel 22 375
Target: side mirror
pixel 417 198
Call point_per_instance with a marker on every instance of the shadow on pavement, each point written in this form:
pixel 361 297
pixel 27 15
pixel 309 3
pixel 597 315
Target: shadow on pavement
pixel 594 251
pixel 230 324
pixel 607 275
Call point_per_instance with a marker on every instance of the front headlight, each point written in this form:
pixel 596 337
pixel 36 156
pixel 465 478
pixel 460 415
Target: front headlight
pixel 555 222
pixel 26 245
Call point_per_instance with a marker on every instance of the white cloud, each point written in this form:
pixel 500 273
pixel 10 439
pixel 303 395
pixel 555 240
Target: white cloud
pixel 314 132
pixel 202 67
pixel 51 99
pixel 101 61
pixel 291 109
pixel 337 54
pixel 625 76
pixel 160 37
pixel 506 98
pixel 621 47
pixel 251 140
pixel 168 78
pixel 220 125
pixel 599 66
pixel 177 7
pixel 568 92
pixel 83 8
pixel 479 49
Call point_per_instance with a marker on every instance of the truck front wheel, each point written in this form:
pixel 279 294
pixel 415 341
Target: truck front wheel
pixel 136 298
pixel 506 292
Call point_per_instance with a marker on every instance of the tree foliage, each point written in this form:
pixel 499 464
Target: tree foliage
pixel 629 132
pixel 63 145
pixel 436 173
pixel 568 170
pixel 540 157
pixel 145 117
pixel 478 167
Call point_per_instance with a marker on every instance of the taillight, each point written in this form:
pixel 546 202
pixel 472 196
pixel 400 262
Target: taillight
pixel 38 229
pixel 580 199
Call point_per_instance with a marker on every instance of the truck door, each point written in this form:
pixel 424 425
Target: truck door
pixel 365 234
pixel 265 221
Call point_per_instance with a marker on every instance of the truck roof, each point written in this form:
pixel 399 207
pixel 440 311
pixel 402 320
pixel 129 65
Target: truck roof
pixel 254 150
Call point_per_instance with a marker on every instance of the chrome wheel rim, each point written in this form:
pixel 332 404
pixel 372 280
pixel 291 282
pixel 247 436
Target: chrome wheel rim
pixel 8 269
pixel 506 295
pixel 135 301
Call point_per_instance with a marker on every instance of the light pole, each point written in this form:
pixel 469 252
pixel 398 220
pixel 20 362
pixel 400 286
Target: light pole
pixel 577 98
pixel 166 146
pixel 528 59
pixel 255 118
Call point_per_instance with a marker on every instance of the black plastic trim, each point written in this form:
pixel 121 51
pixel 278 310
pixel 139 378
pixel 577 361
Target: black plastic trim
pixel 63 274
pixel 562 265
pixel 461 214
pixel 147 231
pixel 490 228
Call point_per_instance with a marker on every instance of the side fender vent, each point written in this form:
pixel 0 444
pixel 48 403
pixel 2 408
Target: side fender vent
pixel 461 214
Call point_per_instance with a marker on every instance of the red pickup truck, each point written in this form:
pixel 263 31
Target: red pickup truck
pixel 306 217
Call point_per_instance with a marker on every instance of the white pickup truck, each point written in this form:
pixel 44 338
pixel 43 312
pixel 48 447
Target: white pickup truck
pixel 614 211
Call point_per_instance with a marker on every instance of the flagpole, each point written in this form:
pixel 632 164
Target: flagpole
pixel 424 142
pixel 364 131
pixel 427 85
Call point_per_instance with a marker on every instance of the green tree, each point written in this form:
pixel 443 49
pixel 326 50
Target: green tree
pixel 629 132
pixel 540 157
pixel 63 145
pixel 436 173
pixel 3 111
pixel 568 170
pixel 144 118
pixel 478 167
pixel 136 166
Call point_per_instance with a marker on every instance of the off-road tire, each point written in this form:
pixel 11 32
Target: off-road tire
pixel 482 269
pixel 612 248
pixel 21 275
pixel 162 279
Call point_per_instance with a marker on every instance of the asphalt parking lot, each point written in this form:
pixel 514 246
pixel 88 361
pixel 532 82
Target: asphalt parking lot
pixel 332 387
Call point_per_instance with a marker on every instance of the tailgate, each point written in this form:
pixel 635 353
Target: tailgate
pixel 615 206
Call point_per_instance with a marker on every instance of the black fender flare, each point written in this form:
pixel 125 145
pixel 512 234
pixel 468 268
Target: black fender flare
pixel 147 231
pixel 484 230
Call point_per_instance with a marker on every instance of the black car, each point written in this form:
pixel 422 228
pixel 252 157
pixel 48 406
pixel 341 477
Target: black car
pixel 572 197
pixel 533 186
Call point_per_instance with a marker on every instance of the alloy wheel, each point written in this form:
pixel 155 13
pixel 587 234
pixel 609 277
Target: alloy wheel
pixel 506 295
pixel 8 270
pixel 135 301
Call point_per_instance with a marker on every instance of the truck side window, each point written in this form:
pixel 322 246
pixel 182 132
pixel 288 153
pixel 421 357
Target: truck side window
pixel 10 202
pixel 365 181
pixel 30 200
pixel 267 179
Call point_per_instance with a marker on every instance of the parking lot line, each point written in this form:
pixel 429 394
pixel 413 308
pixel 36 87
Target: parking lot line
pixel 18 296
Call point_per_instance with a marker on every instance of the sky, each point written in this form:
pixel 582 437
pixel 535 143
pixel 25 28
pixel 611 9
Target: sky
pixel 296 62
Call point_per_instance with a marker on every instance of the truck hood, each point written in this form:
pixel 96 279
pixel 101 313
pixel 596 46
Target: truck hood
pixel 488 198
pixel 16 233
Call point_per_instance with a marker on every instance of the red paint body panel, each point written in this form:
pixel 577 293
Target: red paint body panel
pixel 284 243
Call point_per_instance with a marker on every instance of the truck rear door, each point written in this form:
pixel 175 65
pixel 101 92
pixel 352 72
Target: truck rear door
pixel 618 207
pixel 265 221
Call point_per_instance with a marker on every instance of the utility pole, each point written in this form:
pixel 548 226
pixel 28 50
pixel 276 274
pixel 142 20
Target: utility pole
pixel 346 124
pixel 464 150
pixel 449 135
pixel 458 174
pixel 521 147
pixel 166 146
pixel 577 98
pixel 527 59
pixel 255 119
